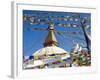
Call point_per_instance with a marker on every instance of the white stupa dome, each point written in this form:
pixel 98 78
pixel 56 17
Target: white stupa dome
pixel 50 50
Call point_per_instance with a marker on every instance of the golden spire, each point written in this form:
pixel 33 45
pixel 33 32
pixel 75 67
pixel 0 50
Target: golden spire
pixel 51 39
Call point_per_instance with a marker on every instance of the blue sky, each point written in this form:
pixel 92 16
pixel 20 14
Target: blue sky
pixel 33 39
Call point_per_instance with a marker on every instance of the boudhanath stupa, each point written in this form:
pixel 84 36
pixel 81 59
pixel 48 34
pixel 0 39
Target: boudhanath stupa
pixel 51 45
pixel 51 52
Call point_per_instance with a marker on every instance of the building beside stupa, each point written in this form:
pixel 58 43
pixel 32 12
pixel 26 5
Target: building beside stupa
pixel 80 56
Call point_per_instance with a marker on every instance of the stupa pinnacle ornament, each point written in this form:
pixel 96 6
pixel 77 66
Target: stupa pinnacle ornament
pixel 51 39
